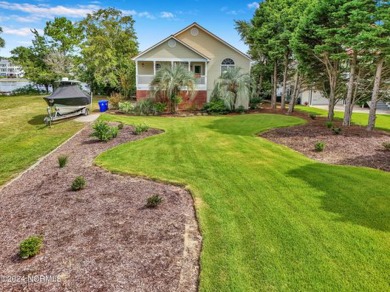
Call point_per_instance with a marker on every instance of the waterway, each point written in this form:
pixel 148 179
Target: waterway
pixel 8 85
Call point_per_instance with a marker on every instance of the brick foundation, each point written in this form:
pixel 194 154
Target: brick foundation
pixel 196 102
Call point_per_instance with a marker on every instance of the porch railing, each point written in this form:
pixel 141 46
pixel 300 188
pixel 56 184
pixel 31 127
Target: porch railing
pixel 147 79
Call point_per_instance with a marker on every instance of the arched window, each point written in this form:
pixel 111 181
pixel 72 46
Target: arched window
pixel 226 64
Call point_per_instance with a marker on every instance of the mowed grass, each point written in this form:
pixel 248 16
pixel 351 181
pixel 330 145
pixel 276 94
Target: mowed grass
pixel 271 219
pixel 23 135
pixel 382 121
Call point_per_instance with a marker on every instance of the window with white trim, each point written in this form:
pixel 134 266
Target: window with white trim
pixel 227 64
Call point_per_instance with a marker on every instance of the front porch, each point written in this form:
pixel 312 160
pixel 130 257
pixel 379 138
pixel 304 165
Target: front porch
pixel 147 69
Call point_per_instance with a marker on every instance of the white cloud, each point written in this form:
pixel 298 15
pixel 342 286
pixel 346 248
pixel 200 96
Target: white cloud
pixel 26 19
pixel 44 10
pixel 145 14
pixel 166 14
pixel 129 12
pixel 253 5
pixel 23 31
pixel 228 11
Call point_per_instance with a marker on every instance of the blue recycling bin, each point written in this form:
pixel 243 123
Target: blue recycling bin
pixel 103 105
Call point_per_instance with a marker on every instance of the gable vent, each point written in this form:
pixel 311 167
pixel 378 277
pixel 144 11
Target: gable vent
pixel 194 31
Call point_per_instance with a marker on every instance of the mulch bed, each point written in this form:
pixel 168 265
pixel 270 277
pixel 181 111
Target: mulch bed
pixel 101 238
pixel 353 146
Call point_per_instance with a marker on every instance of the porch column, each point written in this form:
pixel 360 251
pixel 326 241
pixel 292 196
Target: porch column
pixel 189 66
pixel 171 64
pixel 205 74
pixel 154 67
pixel 136 75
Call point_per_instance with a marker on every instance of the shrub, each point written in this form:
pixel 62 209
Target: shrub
pixel 159 108
pixel 329 125
pixel 386 145
pixel 313 116
pixel 126 107
pixel 62 160
pixel 144 107
pixel 216 106
pixel 120 126
pixel 114 131
pixel 30 247
pixel 319 146
pixel 140 128
pixel 240 109
pixel 336 131
pixel 78 183
pixel 114 100
pixel 255 102
pixel 306 103
pixel 103 131
pixel 153 201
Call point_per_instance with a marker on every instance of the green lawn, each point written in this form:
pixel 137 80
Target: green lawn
pixel 271 219
pixel 24 137
pixel 382 121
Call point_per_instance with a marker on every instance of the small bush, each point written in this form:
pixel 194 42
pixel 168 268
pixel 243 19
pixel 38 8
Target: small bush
pixel 144 107
pixel 240 109
pixel 62 160
pixel 313 116
pixel 153 201
pixel 329 125
pixel 103 131
pixel 319 146
pixel 115 99
pixel 159 108
pixel 120 126
pixel 78 183
pixel 140 128
pixel 216 106
pixel 114 132
pixel 30 247
pixel 255 102
pixel 386 145
pixel 305 103
pixel 336 131
pixel 126 107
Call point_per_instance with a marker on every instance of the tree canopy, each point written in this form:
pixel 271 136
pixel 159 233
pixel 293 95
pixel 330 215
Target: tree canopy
pixel 338 47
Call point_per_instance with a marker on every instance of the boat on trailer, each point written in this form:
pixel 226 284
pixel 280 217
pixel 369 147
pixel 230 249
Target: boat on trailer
pixel 68 100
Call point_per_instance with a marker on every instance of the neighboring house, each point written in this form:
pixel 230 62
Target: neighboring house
pixel 9 70
pixel 202 52
pixel 314 97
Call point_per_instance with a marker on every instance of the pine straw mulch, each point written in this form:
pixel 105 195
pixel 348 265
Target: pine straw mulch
pixel 101 238
pixel 353 146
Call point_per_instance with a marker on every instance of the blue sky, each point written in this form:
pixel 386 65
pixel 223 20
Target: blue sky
pixel 154 20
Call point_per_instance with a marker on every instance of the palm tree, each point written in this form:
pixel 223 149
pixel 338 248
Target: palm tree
pixel 233 88
pixel 168 83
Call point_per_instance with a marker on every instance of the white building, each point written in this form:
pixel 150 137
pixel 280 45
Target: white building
pixel 9 70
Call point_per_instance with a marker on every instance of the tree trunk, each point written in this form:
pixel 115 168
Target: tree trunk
pixel 260 84
pixel 275 84
pixel 283 98
pixel 294 94
pixel 332 94
pixel 375 93
pixel 349 103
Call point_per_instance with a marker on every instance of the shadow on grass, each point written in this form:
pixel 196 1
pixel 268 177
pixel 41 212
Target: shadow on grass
pixel 357 195
pixel 250 124
pixel 37 120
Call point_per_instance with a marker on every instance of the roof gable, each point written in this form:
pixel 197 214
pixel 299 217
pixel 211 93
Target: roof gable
pixel 212 35
pixel 166 40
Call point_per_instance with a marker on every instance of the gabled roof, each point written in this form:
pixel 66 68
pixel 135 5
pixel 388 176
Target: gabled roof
pixel 166 39
pixel 212 35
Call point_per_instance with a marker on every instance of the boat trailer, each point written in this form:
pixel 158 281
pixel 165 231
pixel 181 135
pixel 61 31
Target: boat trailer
pixel 54 114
